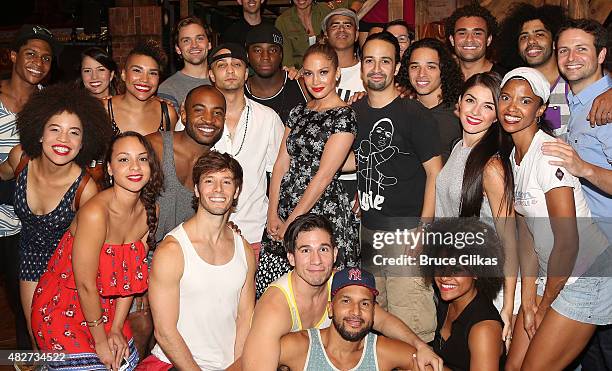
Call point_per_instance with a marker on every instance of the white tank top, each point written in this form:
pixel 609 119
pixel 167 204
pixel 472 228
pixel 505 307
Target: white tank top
pixel 208 308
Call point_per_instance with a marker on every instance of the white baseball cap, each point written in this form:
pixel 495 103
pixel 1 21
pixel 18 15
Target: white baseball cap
pixel 538 82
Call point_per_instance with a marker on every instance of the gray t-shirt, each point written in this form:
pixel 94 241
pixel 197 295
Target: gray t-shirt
pixel 449 184
pixel 176 87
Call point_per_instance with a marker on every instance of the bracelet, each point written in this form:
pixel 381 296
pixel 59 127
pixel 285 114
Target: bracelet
pixel 96 322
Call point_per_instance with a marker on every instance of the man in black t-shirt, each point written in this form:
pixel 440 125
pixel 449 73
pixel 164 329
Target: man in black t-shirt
pixel 435 77
pixel 251 17
pixel 270 85
pixel 397 153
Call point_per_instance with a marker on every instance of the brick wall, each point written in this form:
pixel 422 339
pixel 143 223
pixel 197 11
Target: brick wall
pixel 130 24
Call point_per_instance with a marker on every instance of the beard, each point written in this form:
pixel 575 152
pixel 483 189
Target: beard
pixel 377 85
pixel 546 55
pixel 348 335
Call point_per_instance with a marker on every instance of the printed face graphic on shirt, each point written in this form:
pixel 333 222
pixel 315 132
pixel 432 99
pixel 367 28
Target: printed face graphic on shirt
pixel 381 134
pixel 371 155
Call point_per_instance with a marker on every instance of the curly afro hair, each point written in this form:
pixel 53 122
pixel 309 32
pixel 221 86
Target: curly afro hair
pixel 471 10
pixel 450 73
pixel 448 238
pixel 57 99
pixel 550 15
pixel 150 48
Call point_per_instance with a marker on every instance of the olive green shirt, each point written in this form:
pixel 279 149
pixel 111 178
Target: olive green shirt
pixel 295 38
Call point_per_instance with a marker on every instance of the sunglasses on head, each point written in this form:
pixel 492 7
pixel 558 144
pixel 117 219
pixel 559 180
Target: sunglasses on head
pixel 42 30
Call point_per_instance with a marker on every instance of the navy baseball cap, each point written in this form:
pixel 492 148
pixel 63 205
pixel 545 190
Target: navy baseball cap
pixel 233 51
pixel 353 276
pixel 32 31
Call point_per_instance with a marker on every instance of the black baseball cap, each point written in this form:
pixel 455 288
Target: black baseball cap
pixel 235 51
pixel 32 31
pixel 264 33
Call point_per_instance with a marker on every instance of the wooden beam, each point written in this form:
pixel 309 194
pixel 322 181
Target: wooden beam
pixel 184 8
pixel 365 8
pixel 396 10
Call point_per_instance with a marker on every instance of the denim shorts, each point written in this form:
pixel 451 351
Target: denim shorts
pixel 589 298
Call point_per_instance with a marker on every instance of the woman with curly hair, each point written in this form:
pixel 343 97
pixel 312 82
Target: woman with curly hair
pixel 139 109
pixel 62 129
pixel 468 335
pixel 99 73
pixel 429 70
pixel 82 301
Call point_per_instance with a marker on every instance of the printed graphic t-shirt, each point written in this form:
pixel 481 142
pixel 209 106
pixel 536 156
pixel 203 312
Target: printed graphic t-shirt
pixel 392 144
pixel 533 178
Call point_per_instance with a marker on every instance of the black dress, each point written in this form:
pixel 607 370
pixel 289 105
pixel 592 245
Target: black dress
pixel 40 234
pixel 455 350
pixel 310 130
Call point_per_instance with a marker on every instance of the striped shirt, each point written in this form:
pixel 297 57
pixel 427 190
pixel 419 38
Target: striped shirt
pixel 558 112
pixel 9 138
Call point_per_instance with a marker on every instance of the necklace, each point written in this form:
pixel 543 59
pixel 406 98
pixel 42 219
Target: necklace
pixel 246 127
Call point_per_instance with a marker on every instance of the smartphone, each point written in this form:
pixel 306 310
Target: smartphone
pixel 124 364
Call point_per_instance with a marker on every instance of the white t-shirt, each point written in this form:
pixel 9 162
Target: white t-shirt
pixel 255 146
pixel 350 83
pixel 533 178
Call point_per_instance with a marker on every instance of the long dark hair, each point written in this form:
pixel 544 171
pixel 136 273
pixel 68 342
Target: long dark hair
pixel 153 188
pixel 495 142
pixel 101 56
pixel 450 72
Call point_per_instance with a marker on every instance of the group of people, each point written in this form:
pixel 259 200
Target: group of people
pixel 235 215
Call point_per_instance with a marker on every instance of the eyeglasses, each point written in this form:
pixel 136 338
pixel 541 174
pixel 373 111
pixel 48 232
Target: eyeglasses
pixel 403 39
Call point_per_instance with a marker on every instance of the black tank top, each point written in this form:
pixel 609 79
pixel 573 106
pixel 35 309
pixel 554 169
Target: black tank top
pixel 165 115
pixel 455 350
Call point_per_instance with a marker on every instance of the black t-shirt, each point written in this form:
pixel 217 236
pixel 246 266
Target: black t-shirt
pixel 237 32
pixel 391 145
pixel 455 350
pixel 449 128
pixel 499 69
pixel 282 102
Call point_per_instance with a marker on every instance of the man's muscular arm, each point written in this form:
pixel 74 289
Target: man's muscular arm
pixel 391 326
pixel 294 347
pixel 271 320
pixel 395 354
pixel 164 296
pixel 246 302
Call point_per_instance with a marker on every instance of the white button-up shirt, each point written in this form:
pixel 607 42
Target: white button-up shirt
pixel 260 139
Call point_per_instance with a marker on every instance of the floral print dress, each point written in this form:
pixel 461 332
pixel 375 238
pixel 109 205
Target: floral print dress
pixel 310 131
pixel 58 323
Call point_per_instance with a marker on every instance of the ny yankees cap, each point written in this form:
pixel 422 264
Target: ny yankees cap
pixel 353 276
